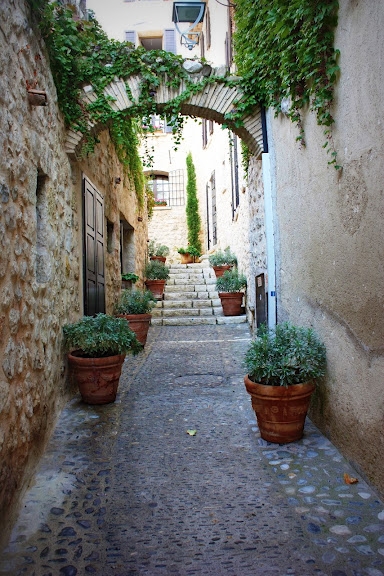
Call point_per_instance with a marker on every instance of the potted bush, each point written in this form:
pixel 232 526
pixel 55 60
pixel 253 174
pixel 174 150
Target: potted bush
pixel 283 366
pixel 222 260
pixel 97 347
pixel 135 306
pixel 127 279
pixel 157 251
pixel 230 288
pixel 156 274
pixel 189 255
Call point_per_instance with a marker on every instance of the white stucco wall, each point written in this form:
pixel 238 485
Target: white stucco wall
pixel 330 239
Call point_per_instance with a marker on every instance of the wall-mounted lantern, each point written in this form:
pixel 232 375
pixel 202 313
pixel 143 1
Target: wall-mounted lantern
pixel 37 97
pixel 192 13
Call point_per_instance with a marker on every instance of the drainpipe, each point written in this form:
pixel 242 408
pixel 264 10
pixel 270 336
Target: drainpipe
pixel 269 228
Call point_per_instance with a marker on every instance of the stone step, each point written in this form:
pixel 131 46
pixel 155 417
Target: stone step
pixel 198 320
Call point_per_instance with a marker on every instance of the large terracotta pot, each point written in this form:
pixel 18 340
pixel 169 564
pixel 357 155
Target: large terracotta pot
pixel 280 411
pixel 97 378
pixel 231 303
pixel 156 287
pixel 219 270
pixel 139 324
pixel 159 258
pixel 186 259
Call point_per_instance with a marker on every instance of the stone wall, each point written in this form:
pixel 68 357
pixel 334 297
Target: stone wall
pixel 330 227
pixel 41 250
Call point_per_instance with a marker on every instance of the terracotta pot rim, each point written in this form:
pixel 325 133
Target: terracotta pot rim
pixel 75 356
pixel 143 316
pixel 278 390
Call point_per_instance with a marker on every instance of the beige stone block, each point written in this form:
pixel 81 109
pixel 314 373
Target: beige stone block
pixel 203 303
pixel 231 319
pixel 198 320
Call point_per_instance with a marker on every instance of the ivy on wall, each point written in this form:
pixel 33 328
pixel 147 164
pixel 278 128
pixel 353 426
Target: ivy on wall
pixel 285 50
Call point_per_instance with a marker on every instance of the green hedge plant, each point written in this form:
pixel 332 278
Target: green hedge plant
pixel 231 281
pixel 100 336
pixel 135 302
pixel 284 356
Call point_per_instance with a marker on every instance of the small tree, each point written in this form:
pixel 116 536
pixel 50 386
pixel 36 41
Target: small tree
pixel 192 208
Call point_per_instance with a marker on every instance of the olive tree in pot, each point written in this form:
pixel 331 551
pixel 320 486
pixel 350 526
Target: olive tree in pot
pixel 283 366
pixel 156 274
pixel 97 348
pixel 230 287
pixel 222 260
pixel 157 251
pixel 135 306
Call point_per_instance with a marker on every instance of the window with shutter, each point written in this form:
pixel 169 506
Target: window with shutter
pixel 170 40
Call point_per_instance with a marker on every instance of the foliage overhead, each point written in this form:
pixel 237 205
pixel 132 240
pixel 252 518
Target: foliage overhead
pixel 287 355
pixel 285 50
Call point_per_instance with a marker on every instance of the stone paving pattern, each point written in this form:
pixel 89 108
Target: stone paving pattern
pixel 124 490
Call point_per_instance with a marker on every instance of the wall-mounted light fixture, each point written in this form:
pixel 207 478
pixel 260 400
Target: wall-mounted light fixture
pixel 192 13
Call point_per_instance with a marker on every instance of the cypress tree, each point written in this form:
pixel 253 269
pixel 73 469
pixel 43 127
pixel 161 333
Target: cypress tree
pixel 192 208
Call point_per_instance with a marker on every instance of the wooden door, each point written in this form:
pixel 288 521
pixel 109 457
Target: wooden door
pixel 94 238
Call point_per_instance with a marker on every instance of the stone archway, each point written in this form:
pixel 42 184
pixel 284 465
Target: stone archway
pixel 212 103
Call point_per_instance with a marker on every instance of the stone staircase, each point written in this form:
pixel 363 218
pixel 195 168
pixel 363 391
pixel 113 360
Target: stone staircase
pixel 190 299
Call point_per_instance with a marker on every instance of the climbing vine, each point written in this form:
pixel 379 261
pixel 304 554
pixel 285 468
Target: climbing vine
pixel 284 51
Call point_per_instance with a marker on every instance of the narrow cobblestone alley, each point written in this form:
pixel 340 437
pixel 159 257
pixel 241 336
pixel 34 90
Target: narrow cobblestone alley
pixel 124 489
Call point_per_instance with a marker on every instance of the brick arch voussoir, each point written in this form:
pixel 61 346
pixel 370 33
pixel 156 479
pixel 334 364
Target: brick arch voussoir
pixel 213 102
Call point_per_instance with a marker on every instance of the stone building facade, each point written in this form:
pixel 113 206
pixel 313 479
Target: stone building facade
pixel 42 254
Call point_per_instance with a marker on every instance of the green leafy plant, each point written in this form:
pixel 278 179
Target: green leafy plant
pixel 231 281
pixel 135 302
pixel 192 207
pixel 223 258
pixel 156 270
pixel 285 356
pixel 285 50
pixel 130 276
pixel 156 249
pixel 101 336
pixel 191 250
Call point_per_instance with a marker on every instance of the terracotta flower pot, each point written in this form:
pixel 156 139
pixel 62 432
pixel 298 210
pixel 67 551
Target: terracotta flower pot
pixel 139 324
pixel 156 287
pixel 97 378
pixel 231 303
pixel 219 270
pixel 280 411
pixel 159 258
pixel 186 259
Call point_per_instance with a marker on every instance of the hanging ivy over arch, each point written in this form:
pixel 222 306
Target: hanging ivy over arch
pixel 285 50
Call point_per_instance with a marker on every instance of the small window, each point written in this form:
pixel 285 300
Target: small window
pixel 168 190
pixel 160 188
pixel 204 132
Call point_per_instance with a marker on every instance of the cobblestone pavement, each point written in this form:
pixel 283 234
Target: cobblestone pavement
pixel 124 490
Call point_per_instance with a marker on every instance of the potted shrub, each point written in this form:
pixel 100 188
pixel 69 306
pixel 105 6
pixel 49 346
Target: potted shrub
pixel 283 366
pixel 230 287
pixel 127 279
pixel 222 260
pixel 157 251
pixel 97 347
pixel 189 255
pixel 135 306
pixel 156 274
